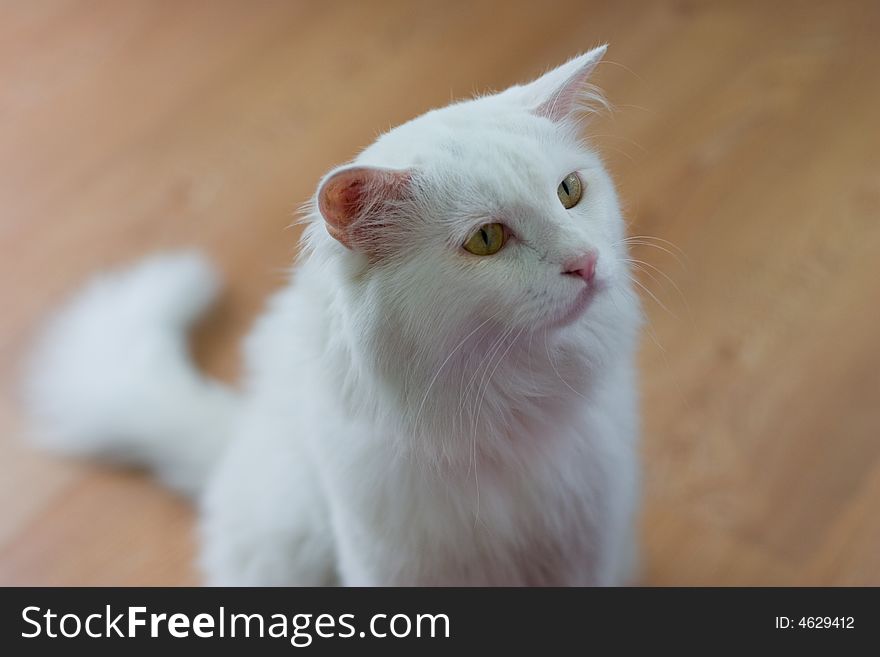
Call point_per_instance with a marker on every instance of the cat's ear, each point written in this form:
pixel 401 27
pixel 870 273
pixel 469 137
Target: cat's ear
pixel 559 93
pixel 356 200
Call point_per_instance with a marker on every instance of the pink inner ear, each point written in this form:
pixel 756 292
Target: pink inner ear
pixel 339 201
pixel 349 196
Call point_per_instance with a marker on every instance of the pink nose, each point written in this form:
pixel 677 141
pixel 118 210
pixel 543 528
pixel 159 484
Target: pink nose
pixel 583 266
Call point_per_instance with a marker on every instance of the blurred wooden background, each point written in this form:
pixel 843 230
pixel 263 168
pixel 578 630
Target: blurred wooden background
pixel 746 133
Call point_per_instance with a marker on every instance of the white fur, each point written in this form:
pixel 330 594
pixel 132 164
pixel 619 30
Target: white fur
pixel 112 376
pixel 420 419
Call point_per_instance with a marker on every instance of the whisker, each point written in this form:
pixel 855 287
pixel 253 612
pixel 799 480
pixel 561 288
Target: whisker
pixel 648 323
pixel 641 108
pixel 482 397
pixel 486 376
pixel 664 275
pixel 486 360
pixel 553 365
pixel 653 296
pixel 660 247
pixel 440 369
pixel 625 68
pixel 651 334
pixel 463 395
pixel 618 150
pixel 637 267
pixel 658 239
pixel 594 135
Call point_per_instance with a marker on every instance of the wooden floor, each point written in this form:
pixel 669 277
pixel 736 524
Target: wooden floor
pixel 746 133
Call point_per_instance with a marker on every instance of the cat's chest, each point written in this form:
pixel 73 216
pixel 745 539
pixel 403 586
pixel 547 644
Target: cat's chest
pixel 514 551
pixel 536 561
pixel 533 526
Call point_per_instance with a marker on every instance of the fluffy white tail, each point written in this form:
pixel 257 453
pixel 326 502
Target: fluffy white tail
pixel 112 377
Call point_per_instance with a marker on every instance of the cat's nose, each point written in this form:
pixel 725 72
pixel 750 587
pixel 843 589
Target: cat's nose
pixel 583 266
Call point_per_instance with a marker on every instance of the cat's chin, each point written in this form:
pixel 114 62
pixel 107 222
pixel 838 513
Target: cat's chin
pixel 571 313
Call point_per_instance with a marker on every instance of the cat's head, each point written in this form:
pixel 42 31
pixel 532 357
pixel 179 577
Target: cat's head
pixel 492 210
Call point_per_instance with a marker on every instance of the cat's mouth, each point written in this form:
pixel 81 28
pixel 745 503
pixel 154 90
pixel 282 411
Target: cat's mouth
pixel 571 312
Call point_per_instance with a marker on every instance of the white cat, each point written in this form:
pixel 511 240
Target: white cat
pixel 445 394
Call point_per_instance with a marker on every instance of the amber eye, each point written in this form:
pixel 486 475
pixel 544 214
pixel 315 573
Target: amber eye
pixel 570 190
pixel 487 240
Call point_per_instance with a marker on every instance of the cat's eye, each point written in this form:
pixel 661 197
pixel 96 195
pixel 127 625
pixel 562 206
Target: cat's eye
pixel 487 240
pixel 570 190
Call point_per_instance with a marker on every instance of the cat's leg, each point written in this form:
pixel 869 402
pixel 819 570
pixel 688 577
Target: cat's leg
pixel 356 567
pixel 613 562
pixel 621 565
pixel 622 497
pixel 264 520
pixel 627 568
